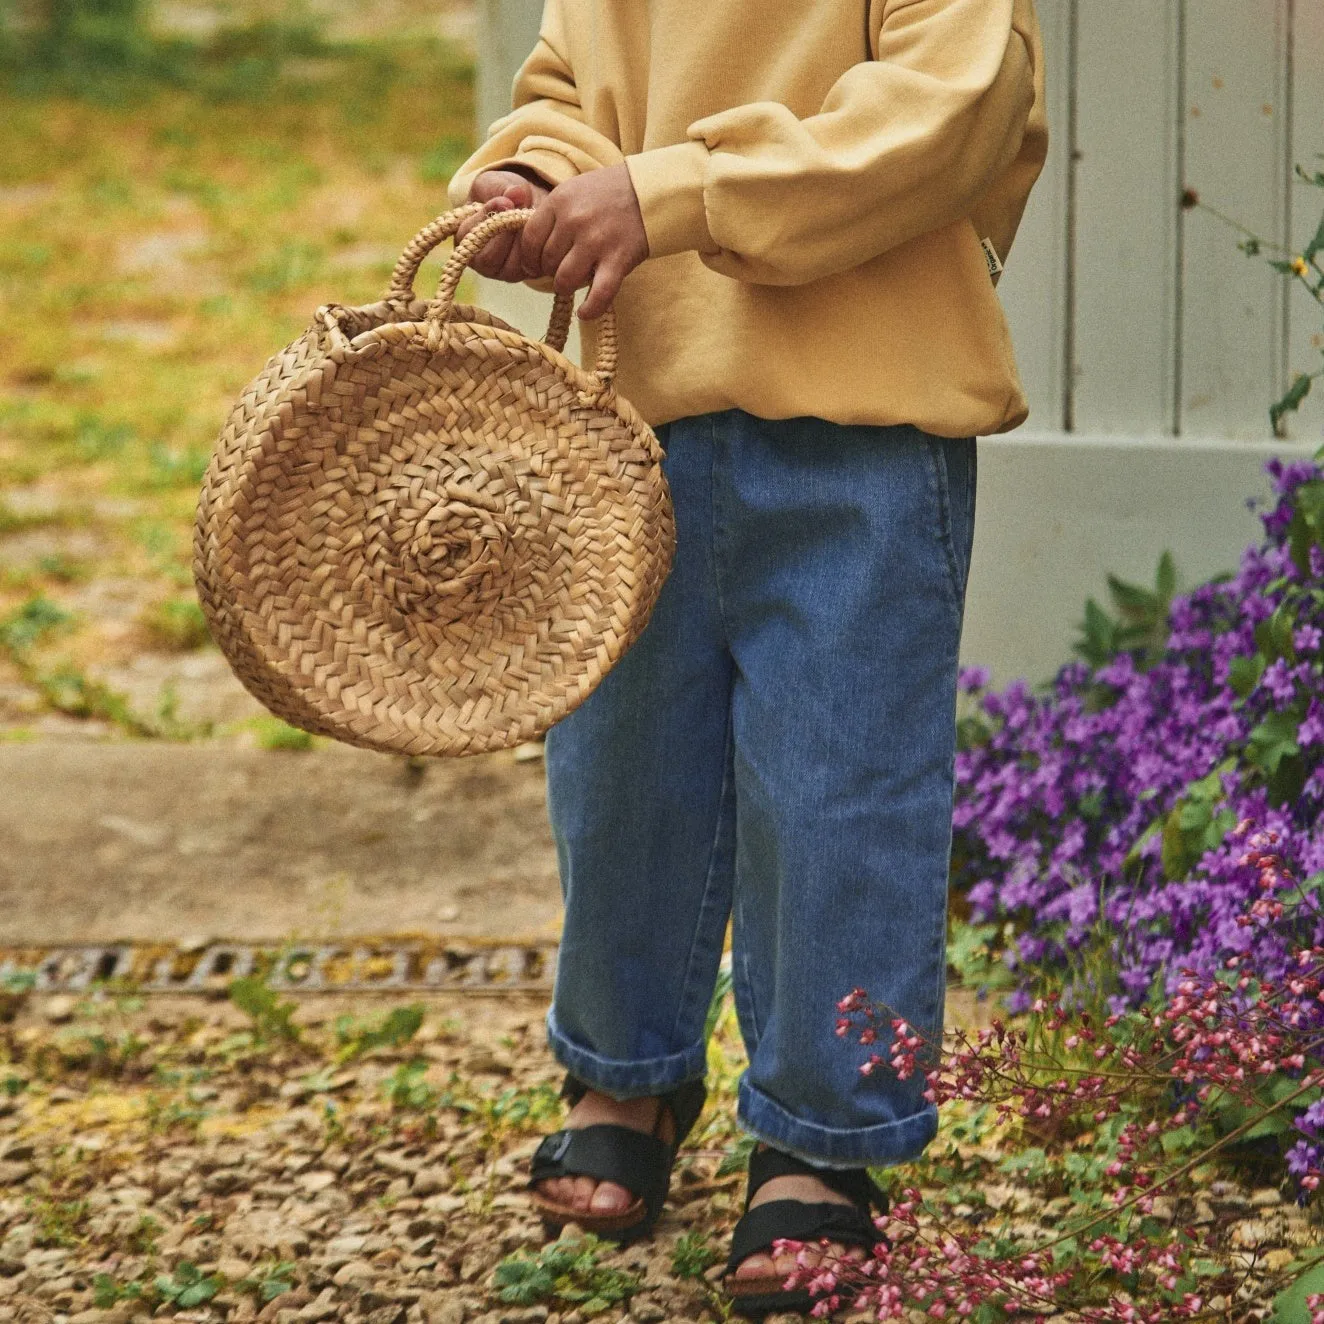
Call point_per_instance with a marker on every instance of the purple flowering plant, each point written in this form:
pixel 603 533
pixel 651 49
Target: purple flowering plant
pixel 1097 822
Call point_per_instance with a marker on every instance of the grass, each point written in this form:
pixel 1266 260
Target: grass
pixel 169 217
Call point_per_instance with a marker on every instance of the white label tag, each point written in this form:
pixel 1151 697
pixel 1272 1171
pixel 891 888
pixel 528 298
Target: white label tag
pixel 995 267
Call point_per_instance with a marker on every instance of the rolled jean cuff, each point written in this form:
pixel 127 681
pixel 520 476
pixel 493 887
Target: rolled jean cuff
pixel 626 1080
pixel 878 1146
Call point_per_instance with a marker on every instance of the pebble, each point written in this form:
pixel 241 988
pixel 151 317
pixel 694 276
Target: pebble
pixel 324 1306
pixel 400 1165
pixel 444 1312
pixel 60 1008
pixel 432 1180
pixel 1250 1234
pixel 356 1271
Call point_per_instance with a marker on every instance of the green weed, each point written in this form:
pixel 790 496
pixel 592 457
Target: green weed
pixel 59 1222
pixel 292 266
pixel 176 468
pixel 108 1291
pixel 568 1273
pixel 692 1256
pixel 71 691
pixel 269 1281
pixel 356 1037
pixel 176 624
pixel 407 1091
pixel 272 1018
pixel 64 569
pixel 30 624
pixel 442 161
pixel 15 990
pixel 187 1286
pixel 165 1115
pixel 272 733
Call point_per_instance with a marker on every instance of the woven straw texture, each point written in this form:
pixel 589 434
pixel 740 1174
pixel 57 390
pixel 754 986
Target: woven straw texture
pixel 424 532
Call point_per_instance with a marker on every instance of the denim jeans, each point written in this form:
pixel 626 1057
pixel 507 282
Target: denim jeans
pixel 778 747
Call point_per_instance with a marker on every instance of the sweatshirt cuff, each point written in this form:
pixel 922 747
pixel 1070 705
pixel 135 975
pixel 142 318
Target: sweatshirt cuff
pixel 668 181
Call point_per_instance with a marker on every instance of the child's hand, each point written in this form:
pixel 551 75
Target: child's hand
pixel 501 190
pixel 587 231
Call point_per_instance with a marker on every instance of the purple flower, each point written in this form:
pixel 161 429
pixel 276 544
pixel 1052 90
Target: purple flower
pixel 1093 798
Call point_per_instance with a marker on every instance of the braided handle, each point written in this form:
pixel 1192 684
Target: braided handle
pixel 437 232
pixel 432 234
pixel 473 243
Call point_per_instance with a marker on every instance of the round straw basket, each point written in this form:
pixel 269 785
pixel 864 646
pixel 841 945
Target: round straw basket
pixel 422 531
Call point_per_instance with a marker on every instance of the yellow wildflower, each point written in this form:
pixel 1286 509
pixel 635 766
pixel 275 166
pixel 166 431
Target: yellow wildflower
pixel 1301 267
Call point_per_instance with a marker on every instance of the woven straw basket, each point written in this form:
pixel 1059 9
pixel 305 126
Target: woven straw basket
pixel 422 531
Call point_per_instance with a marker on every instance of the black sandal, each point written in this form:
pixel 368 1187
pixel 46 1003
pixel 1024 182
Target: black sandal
pixel 796 1220
pixel 641 1163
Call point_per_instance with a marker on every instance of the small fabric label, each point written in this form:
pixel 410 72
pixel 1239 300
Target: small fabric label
pixel 991 257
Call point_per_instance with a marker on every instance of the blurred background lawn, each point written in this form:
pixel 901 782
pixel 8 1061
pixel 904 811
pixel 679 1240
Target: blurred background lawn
pixel 181 184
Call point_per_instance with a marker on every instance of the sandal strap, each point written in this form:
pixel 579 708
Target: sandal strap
pixel 795 1220
pixel 641 1163
pixel 854 1183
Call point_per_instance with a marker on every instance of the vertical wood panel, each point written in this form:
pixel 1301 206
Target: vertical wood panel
pixel 1034 287
pixel 1305 317
pixel 1127 197
pixel 1237 129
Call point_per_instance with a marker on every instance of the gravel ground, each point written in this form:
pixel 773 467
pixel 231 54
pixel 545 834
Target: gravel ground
pixel 237 1161
pixel 156 1143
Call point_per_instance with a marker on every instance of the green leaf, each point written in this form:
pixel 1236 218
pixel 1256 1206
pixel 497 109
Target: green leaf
pixel 1132 600
pixel 1178 1140
pixel 1194 815
pixel 1291 401
pixel 1244 673
pixel 201 1291
pixel 1144 839
pixel 1274 740
pixel 1289 1307
pixel 1316 245
pixel 1165 582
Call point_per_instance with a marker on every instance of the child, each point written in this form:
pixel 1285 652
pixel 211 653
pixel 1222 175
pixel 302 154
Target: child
pixel 811 201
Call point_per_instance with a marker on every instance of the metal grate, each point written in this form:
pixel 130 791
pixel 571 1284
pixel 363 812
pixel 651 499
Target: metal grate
pixel 360 965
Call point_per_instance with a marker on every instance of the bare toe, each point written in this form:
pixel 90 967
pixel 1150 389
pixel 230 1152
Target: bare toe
pixel 609 1198
pixel 756 1266
pixel 581 1192
pixel 555 1190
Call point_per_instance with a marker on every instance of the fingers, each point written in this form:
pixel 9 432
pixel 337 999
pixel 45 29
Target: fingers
pixel 501 183
pixel 606 282
pixel 494 258
pixel 533 240
pixel 574 270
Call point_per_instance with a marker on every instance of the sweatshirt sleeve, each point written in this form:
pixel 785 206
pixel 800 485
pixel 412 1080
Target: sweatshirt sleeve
pixel 903 145
pixel 546 130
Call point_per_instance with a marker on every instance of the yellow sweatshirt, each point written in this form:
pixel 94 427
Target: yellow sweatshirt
pixel 815 179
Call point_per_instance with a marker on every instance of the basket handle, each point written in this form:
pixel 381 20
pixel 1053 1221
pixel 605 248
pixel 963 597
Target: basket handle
pixel 473 243
pixel 437 232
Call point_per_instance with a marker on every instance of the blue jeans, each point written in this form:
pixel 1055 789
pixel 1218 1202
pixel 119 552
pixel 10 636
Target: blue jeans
pixel 778 744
